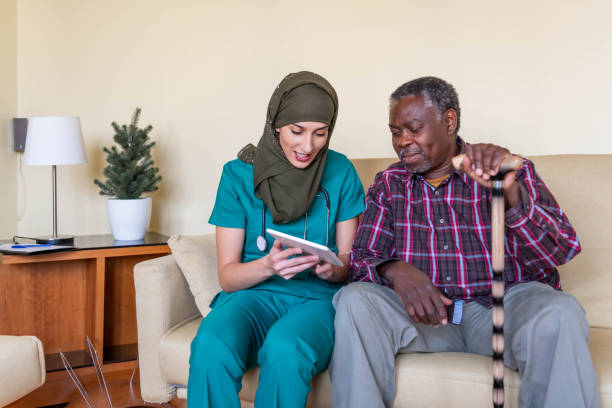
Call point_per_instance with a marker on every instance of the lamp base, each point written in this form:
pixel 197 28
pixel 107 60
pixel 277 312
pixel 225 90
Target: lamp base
pixel 58 240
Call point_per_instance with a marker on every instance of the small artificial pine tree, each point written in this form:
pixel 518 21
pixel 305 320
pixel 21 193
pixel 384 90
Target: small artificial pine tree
pixel 130 171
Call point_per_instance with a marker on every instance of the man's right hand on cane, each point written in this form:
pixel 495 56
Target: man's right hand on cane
pixel 423 302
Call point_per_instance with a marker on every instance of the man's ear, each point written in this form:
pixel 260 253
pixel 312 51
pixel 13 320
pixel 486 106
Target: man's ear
pixel 450 120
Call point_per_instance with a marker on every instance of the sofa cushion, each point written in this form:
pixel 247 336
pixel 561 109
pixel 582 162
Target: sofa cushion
pixel 600 345
pixel 449 380
pixel 587 278
pixel 197 258
pixel 369 168
pixel 579 183
pixel 174 351
pixel 420 376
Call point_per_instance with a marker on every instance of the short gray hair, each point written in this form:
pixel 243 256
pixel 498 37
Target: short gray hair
pixel 436 91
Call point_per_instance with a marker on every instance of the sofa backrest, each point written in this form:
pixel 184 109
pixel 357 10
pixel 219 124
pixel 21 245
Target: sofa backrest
pixel 579 183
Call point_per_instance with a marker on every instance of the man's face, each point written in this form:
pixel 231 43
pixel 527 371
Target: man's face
pixel 423 139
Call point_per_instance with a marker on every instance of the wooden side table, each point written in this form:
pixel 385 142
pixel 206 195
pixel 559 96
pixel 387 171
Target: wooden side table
pixel 65 296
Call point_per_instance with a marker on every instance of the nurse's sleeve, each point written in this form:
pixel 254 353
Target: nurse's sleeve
pixel 228 210
pixel 351 195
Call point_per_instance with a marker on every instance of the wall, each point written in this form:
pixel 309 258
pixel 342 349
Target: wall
pixel 8 110
pixel 532 76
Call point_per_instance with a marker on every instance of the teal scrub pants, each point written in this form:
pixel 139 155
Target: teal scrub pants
pixel 289 337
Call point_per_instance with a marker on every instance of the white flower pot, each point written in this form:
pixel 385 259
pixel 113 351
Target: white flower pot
pixel 129 219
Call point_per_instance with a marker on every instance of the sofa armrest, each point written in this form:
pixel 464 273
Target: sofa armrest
pixel 22 367
pixel 163 300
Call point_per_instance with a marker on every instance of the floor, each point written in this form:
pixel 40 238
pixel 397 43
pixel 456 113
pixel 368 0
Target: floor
pixel 122 394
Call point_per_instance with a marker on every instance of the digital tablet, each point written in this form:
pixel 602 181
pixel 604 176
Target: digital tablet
pixel 309 247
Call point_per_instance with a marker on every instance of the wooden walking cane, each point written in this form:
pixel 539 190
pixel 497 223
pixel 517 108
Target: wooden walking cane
pixel 497 258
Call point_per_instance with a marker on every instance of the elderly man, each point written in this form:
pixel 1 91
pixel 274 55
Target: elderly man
pixel 422 267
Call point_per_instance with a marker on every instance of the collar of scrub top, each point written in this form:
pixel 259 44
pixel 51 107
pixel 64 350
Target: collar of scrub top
pixel 262 245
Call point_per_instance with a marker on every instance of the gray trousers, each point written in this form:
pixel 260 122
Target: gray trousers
pixel 546 335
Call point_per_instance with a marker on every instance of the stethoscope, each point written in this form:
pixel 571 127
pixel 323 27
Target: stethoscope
pixel 262 245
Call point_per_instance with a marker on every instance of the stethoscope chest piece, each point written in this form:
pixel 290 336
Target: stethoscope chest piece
pixel 262 245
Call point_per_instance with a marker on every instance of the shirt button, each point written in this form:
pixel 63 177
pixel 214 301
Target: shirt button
pixel 441 220
pixel 445 246
pixel 448 278
pixel 437 192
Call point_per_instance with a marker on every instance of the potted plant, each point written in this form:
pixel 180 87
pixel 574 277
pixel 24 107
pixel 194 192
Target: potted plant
pixel 129 174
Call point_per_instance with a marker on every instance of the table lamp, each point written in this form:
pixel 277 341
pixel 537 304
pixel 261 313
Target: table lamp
pixel 52 141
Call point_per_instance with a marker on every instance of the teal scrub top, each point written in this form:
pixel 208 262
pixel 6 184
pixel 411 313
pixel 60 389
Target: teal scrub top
pixel 237 207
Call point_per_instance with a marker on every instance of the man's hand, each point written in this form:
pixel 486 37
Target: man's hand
pixel 482 161
pixel 421 299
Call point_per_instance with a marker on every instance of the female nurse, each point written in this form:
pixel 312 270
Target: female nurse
pixel 275 309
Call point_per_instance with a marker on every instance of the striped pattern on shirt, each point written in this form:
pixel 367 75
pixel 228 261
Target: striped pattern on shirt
pixel 446 232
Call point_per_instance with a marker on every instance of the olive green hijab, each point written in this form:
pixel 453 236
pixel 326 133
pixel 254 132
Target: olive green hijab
pixel 286 190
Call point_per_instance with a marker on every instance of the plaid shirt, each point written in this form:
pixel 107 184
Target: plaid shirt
pixel 446 232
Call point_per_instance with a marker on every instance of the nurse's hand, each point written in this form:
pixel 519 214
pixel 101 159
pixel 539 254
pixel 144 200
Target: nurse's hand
pixel 279 261
pixel 324 271
pixel 334 273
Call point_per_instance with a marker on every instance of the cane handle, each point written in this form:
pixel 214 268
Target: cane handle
pixel 508 164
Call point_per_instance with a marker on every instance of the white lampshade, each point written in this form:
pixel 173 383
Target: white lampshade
pixel 54 140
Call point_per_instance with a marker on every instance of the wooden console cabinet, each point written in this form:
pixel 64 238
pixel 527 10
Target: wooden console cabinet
pixel 65 296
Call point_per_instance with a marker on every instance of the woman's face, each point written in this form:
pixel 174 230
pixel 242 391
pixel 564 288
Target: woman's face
pixel 302 141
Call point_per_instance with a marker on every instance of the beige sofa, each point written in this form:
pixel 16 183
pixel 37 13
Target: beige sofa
pixel 22 367
pixel 168 317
